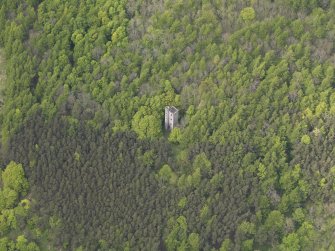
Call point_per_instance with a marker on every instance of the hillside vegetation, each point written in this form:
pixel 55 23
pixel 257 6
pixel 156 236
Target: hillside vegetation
pixel 2 74
pixel 251 165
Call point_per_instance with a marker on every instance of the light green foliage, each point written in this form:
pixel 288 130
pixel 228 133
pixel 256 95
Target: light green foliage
pixel 308 113
pixel 8 221
pixel 73 125
pixel 166 174
pixel 194 179
pixel 316 131
pixel 290 178
pixel 201 162
pixel 254 82
pixel 246 231
pixel 177 236
pixel 22 244
pixel 275 222
pixel 226 245
pixel 204 212
pixel 261 171
pixel 103 245
pixel 248 14
pixel 247 228
pixel 148 158
pixel 298 215
pixel 201 166
pixel 126 247
pixel 323 182
pixel 77 156
pixel 317 72
pixel 8 197
pixel 119 126
pixel 290 243
pixel 217 180
pixel 182 202
pixel 193 240
pixel 175 135
pixel 295 187
pixel 305 139
pixel 320 108
pixel 6 244
pixel 247 245
pixel 12 212
pixel 147 125
pixel 13 178
pixel 54 222
pixel 307 235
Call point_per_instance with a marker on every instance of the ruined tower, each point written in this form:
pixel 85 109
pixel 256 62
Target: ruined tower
pixel 171 117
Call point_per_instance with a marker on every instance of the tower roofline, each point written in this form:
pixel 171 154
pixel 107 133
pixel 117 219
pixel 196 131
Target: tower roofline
pixel 172 109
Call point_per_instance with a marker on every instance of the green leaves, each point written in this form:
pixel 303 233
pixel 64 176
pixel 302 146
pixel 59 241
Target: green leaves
pixel 193 240
pixel 275 223
pixel 8 198
pixel 147 125
pixel 305 139
pixel 166 174
pixel 14 214
pixel 290 243
pixel 178 238
pixel 175 136
pixel 13 178
pixel 256 100
pixel 248 14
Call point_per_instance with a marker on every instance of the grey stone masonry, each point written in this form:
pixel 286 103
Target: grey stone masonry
pixel 171 117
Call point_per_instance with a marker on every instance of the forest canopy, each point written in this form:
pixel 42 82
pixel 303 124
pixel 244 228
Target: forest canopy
pixel 86 163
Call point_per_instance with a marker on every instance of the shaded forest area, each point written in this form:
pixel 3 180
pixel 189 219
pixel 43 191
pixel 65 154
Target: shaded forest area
pixel 250 166
pixel 112 187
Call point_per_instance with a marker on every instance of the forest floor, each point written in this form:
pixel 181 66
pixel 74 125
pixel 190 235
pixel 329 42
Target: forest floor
pixel 2 73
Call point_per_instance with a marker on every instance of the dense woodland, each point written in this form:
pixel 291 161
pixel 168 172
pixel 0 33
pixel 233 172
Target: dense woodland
pixel 87 165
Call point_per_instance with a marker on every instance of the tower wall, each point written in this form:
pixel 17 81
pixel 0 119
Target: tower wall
pixel 167 112
pixel 171 117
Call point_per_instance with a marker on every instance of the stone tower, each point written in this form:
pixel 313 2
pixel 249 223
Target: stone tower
pixel 171 117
